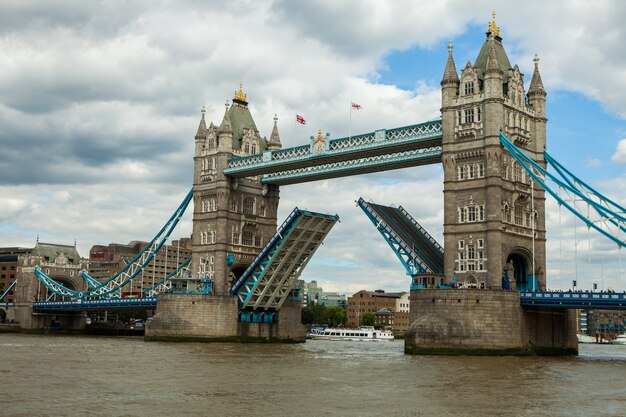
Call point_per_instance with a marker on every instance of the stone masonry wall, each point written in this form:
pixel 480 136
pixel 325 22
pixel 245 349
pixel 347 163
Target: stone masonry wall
pixel 470 322
pixel 215 318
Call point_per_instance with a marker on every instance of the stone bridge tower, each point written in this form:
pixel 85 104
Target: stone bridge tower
pixel 64 265
pixel 233 217
pixel 494 219
pixel 491 212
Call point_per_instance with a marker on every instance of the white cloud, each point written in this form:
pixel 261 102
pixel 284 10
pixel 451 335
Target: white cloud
pixel 99 105
pixel 619 157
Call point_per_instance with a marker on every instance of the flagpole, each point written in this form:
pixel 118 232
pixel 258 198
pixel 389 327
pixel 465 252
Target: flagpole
pixel 350 128
pixel 294 130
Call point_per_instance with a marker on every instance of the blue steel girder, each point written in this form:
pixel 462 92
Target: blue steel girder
pixel 405 253
pixel 267 283
pixel 380 142
pixel 101 304
pixel 385 162
pixel 572 299
pixel 603 207
pixel 9 288
pixel 111 287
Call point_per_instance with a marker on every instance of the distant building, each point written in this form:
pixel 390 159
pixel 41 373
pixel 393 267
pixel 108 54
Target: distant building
pixel 8 270
pixel 105 261
pixel 314 294
pixel 391 309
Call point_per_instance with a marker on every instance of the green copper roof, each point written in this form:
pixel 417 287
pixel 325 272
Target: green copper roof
pixel 240 118
pixel 483 55
pixel 52 250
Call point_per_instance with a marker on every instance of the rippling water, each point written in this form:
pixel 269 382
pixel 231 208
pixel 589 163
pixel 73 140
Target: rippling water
pixel 59 375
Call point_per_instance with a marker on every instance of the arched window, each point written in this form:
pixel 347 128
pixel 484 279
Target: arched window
pixel 247 238
pixel 212 236
pixel 248 206
pixel 213 205
pixel 246 148
pixel 253 148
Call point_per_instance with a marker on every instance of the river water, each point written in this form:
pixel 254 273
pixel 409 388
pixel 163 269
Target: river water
pixel 100 376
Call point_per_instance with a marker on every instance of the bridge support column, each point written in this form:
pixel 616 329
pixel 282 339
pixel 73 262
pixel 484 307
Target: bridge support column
pixel 212 318
pixel 486 322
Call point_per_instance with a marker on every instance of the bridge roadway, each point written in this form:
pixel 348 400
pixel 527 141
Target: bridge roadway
pixel 421 243
pixel 381 150
pixel 574 299
pixel 556 299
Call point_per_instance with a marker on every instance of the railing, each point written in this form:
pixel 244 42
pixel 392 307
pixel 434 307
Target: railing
pixel 573 299
pixel 381 138
pixel 149 302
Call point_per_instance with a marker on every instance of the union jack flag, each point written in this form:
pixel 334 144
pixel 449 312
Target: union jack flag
pixel 356 106
pixel 300 119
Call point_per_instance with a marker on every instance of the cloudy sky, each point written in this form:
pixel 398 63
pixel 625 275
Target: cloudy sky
pixel 99 103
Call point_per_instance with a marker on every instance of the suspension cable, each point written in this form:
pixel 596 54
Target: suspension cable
pixel 532 209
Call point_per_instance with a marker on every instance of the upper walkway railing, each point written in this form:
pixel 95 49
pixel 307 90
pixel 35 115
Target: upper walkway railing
pixel 366 148
pixel 574 299
pixel 102 304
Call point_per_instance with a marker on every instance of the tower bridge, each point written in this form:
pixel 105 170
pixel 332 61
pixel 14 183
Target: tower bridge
pixel 485 293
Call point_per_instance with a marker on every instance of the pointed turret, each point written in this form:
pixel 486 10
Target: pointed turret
pixel 450 82
pixel 225 133
pixel 537 93
pixel 226 127
pixel 536 85
pixel 449 74
pixel 494 76
pixel 201 134
pixel 274 143
pixel 492 60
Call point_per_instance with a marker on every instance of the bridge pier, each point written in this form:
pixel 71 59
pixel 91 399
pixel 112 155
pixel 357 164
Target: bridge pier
pixel 214 318
pixel 486 322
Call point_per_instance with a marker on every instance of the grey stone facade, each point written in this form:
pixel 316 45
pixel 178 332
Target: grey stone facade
pixel 60 262
pixel 488 209
pixel 473 321
pixel 233 217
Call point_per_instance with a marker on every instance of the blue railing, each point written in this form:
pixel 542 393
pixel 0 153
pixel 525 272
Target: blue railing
pixel 102 304
pixel 574 299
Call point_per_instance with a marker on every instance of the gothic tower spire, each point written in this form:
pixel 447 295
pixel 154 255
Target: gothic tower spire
pixel 274 143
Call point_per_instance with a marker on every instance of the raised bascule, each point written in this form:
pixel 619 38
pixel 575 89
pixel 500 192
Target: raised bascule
pixel 484 294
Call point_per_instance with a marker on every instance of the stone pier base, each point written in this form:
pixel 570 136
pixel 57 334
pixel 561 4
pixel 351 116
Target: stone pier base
pixel 211 318
pixel 62 320
pixel 486 322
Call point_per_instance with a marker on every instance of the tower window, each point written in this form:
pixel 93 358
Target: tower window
pixel 461 173
pixel 481 170
pixel 469 88
pixel 469 116
pixel 248 206
pixel 234 207
pixel 471 214
pixel 478 114
pixel 459 118
pixel 517 172
pixel 247 238
pixel 246 148
pixel 519 215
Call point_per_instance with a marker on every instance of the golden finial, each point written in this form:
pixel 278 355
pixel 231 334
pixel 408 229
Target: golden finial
pixel 493 28
pixel 240 96
pixel 320 135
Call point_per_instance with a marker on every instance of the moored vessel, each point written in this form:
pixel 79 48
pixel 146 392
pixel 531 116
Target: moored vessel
pixel 363 333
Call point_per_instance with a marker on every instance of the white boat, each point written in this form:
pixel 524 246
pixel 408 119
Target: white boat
pixel 583 338
pixel 363 333
pixel 621 339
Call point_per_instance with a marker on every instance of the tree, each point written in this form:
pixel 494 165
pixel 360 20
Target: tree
pixel 307 316
pixel 318 312
pixel 368 319
pixel 336 316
